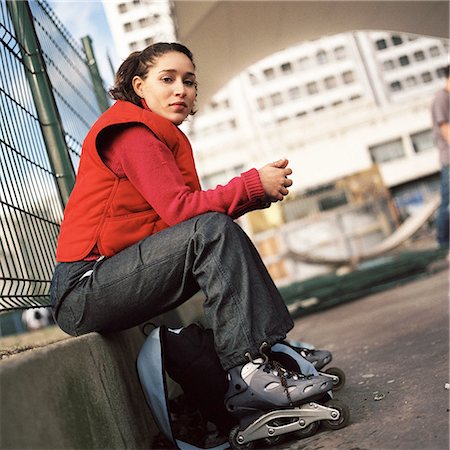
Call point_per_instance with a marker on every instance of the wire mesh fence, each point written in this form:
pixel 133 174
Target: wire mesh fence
pixel 69 75
pixel 30 205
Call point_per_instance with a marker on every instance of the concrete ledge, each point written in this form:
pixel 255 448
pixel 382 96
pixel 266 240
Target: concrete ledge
pixel 81 393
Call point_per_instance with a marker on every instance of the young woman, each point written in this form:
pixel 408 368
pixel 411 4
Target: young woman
pixel 140 237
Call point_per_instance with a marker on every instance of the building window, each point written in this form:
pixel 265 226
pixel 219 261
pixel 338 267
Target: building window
pixel 136 2
pixel 441 72
pixel 381 44
pixel 294 93
pixel 303 62
pixel 348 77
pixel 148 41
pixel 282 120
pixel 332 201
pixel 253 78
pixel 312 88
pixel 330 82
pixel 387 151
pixel 337 103
pixel 419 55
pixel 133 46
pixel 434 51
pixel 396 39
pixel 276 99
pixel 220 127
pixel 286 68
pixel 388 64
pixel 403 60
pixel 122 8
pixel 127 26
pixel 422 141
pixel 321 57
pixel 411 81
pixel 260 103
pixel 396 86
pixel 426 77
pixel 269 74
pixel 319 108
pixel 355 97
pixel 340 53
pixel 143 22
pixel 301 114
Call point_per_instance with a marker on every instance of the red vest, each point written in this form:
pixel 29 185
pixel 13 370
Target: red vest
pixel 106 210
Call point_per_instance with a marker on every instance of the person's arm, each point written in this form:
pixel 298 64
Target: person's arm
pixel 441 114
pixel 445 131
pixel 151 167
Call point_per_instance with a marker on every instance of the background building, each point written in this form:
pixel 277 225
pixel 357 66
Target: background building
pixel 352 114
pixel 136 24
pixel 334 106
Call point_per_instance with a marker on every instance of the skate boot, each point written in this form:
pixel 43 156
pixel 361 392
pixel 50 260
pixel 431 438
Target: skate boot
pixel 319 359
pixel 271 401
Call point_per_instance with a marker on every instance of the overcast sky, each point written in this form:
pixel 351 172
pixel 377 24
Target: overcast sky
pixel 87 17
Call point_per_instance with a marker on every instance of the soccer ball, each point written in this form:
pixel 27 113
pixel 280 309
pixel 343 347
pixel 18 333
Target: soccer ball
pixel 36 318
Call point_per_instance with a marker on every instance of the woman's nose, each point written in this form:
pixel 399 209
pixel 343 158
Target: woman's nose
pixel 180 88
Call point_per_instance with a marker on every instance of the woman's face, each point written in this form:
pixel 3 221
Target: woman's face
pixel 169 87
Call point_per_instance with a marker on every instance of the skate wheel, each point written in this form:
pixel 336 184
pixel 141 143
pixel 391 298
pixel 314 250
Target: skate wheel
pixel 274 440
pixel 337 385
pixel 308 431
pixel 234 442
pixel 344 416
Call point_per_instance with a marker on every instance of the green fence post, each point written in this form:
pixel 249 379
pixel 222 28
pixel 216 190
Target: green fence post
pixel 44 100
pixel 100 93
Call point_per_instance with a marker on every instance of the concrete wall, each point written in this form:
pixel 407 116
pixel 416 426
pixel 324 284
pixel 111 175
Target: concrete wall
pixel 80 393
pixel 83 392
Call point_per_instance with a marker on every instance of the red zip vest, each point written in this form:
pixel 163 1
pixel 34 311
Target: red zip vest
pixel 106 210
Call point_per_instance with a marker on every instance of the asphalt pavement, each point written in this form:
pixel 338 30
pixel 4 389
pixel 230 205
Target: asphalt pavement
pixel 394 349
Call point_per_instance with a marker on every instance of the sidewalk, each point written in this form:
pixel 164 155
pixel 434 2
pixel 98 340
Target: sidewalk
pixel 394 349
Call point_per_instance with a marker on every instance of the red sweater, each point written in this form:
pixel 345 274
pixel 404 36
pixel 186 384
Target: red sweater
pixel 148 183
pixel 135 153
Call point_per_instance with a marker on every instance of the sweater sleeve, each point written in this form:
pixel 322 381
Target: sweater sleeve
pixel 151 167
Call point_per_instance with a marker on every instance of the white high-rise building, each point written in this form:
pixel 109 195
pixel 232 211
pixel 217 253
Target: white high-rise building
pixel 333 106
pixel 135 24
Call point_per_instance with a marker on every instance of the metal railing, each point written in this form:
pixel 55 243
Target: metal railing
pixel 47 104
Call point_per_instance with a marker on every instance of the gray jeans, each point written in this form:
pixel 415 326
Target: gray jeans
pixel 208 252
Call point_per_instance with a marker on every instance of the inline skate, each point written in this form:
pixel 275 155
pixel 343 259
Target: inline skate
pixel 319 359
pixel 270 401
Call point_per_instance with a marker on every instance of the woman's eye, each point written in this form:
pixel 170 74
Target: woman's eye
pixel 188 82
pixel 167 79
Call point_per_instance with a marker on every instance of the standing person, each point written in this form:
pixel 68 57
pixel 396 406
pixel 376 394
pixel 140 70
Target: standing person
pixel 441 132
pixel 139 236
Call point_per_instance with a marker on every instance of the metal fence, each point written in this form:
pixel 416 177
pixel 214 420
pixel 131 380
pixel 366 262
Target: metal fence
pixel 31 181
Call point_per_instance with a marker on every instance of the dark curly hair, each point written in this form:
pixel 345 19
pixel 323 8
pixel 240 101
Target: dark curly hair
pixel 138 64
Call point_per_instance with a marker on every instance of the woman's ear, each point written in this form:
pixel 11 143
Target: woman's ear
pixel 137 83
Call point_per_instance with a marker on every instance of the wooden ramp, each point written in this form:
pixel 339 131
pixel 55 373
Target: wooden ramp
pixel 407 229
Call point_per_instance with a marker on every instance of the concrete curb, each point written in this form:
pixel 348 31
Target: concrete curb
pixel 81 393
